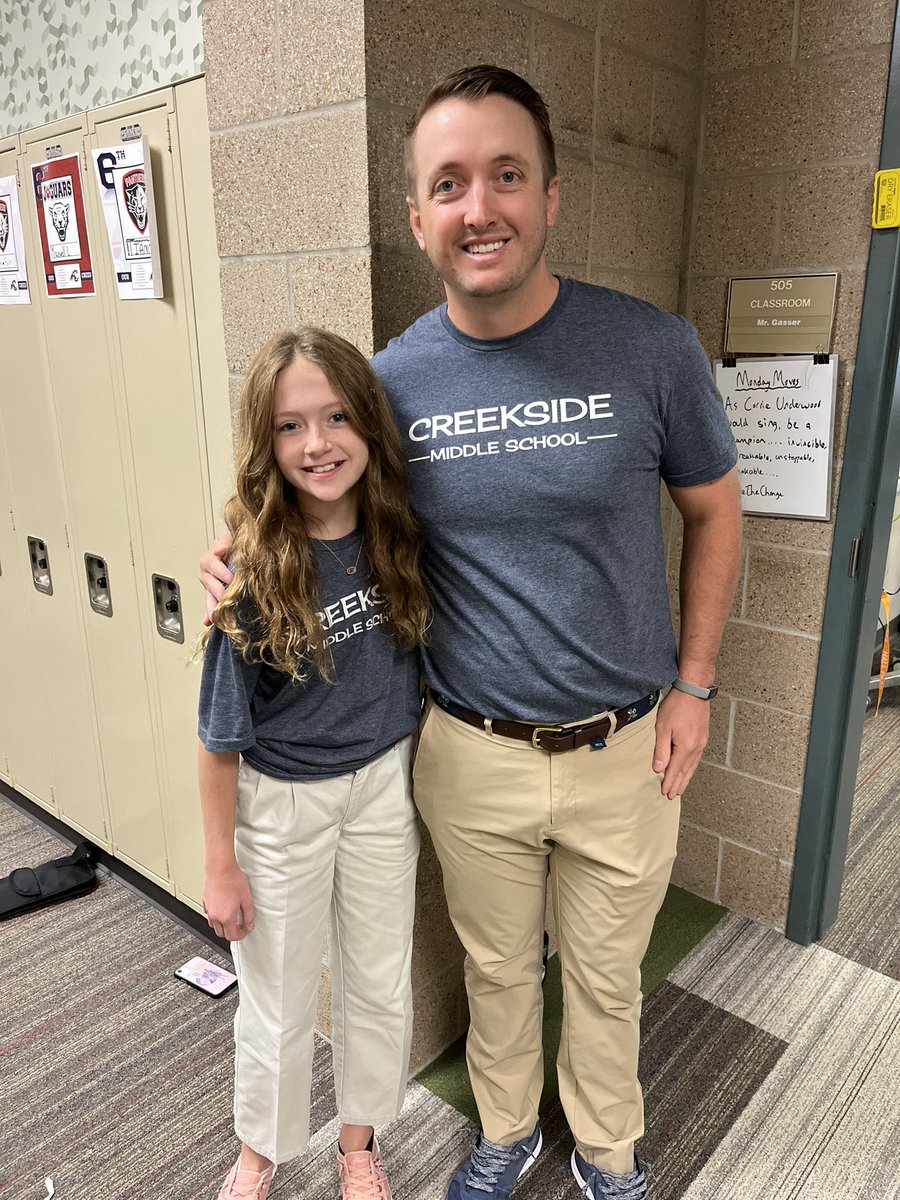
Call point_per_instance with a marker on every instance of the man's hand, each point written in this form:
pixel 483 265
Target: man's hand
pixel 228 903
pixel 682 731
pixel 214 573
pixel 710 561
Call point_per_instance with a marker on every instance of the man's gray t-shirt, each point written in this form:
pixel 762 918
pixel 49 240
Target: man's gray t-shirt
pixel 534 467
pixel 315 730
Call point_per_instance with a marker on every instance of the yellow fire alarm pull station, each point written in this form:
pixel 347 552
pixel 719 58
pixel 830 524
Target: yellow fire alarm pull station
pixel 886 204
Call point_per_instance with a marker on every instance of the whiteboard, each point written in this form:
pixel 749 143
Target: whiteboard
pixel 782 416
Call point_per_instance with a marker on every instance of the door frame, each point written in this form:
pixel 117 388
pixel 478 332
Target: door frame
pixel 861 532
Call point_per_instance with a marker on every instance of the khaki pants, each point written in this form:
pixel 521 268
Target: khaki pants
pixel 500 814
pixel 347 846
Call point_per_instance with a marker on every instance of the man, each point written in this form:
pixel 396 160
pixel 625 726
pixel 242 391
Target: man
pixel 540 415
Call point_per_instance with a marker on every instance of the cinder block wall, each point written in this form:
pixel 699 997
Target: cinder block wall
pixel 792 113
pixel 286 87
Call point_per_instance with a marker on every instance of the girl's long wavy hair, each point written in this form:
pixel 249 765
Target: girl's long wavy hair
pixel 270 610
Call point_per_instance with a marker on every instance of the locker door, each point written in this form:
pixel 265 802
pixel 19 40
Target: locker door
pixel 56 763
pixel 23 749
pixel 82 358
pixel 22 746
pixel 12 619
pixel 160 364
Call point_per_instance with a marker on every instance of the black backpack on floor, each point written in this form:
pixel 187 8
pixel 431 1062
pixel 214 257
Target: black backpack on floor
pixel 27 888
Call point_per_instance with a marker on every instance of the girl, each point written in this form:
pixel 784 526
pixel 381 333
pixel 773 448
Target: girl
pixel 308 698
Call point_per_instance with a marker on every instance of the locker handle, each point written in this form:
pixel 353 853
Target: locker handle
pixel 99 592
pixel 167 605
pixel 40 565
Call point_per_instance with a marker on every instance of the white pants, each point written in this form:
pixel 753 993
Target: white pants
pixel 348 845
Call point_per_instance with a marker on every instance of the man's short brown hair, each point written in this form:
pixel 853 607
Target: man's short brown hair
pixel 475 83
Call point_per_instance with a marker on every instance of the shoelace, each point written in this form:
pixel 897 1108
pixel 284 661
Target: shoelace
pixel 630 1186
pixel 260 1188
pixel 489 1161
pixel 364 1177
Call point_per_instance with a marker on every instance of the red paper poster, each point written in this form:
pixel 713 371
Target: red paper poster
pixel 64 239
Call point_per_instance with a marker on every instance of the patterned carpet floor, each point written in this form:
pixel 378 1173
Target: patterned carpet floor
pixel 115 1078
pixel 770 1071
pixel 868 925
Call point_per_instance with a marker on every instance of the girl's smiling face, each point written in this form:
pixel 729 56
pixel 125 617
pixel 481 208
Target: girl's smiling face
pixel 317 449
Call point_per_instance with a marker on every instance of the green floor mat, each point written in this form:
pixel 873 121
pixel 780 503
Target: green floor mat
pixel 683 920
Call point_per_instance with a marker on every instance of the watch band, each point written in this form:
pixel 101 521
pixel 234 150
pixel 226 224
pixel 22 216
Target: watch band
pixel 693 689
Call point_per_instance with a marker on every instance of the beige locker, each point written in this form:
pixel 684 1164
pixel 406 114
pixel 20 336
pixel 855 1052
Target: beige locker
pixel 133 403
pixel 20 727
pixel 19 707
pixel 57 762
pixel 12 619
pixel 164 349
pixel 81 354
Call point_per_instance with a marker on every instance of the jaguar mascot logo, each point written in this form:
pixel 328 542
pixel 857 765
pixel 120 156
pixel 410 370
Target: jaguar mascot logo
pixel 59 215
pixel 135 188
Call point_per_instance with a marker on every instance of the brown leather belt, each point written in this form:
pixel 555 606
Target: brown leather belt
pixel 552 738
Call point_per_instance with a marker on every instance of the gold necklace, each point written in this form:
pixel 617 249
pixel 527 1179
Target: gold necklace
pixel 349 570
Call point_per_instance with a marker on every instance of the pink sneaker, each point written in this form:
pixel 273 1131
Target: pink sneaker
pixel 362 1175
pixel 248 1185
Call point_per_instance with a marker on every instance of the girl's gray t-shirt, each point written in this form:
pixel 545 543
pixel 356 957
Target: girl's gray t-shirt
pixel 316 730
pixel 534 467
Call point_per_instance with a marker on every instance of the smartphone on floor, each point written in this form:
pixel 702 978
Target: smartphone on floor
pixel 206 976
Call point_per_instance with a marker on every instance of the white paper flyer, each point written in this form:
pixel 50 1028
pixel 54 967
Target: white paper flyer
pixel 125 181
pixel 13 272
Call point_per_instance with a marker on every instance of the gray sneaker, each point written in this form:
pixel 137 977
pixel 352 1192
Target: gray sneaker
pixel 606 1185
pixel 491 1171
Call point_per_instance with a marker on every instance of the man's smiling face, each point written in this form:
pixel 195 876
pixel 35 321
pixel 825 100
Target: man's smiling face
pixel 482 206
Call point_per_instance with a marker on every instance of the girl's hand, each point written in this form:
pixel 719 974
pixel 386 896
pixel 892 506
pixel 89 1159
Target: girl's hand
pixel 214 573
pixel 228 903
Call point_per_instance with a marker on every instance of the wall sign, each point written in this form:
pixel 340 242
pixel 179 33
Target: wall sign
pixel 125 181
pixel 886 200
pixel 785 314
pixel 62 226
pixel 13 273
pixel 782 416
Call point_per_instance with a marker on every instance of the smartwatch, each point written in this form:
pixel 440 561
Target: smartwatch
pixel 692 689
